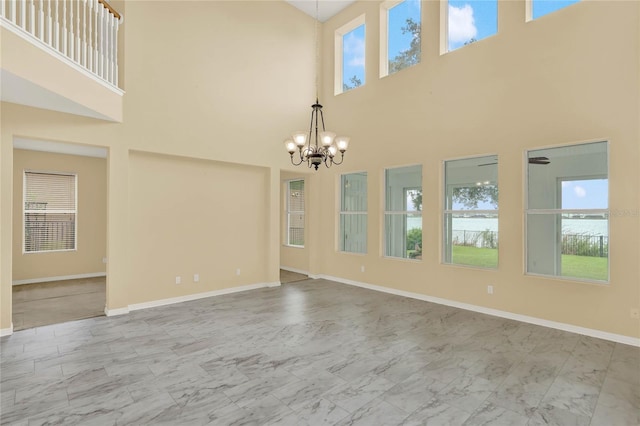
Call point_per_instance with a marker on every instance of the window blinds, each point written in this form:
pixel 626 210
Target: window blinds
pixel 49 211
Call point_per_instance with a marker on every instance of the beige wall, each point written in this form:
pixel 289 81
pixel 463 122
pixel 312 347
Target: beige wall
pixel 564 78
pixel 189 216
pixel 92 217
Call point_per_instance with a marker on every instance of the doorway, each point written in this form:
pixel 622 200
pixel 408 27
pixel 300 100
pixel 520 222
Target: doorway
pixel 59 232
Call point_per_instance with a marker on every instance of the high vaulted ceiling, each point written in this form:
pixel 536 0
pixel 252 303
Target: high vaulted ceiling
pixel 326 8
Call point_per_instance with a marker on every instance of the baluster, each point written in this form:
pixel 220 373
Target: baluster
pixel 78 32
pixel 23 14
pixel 98 38
pixel 41 20
pixel 96 6
pixel 90 38
pixel 56 31
pixel 110 41
pixel 84 33
pixel 105 51
pixel 100 41
pixel 32 17
pixel 49 24
pixel 12 6
pixel 64 27
pixel 71 35
pixel 105 42
pixel 115 51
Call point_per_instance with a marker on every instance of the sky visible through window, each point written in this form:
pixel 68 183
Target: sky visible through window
pixel 471 20
pixel 353 47
pixel 543 7
pixel 398 15
pixel 585 194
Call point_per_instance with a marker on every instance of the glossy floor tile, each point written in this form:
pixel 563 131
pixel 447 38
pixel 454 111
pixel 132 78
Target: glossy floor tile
pixel 314 353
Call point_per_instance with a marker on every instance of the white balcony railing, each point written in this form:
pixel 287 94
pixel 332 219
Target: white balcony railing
pixel 85 31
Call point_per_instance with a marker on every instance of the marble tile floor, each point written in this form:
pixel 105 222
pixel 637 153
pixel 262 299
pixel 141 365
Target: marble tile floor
pixel 314 353
pixel 55 302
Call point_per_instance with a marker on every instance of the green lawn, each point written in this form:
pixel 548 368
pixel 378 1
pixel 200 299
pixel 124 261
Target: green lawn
pixel 588 267
pixel 474 256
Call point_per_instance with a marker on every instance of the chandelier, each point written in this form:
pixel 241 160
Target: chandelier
pixel 316 146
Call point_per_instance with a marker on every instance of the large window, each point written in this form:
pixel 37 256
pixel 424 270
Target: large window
pixel 353 213
pixel 350 55
pixel 50 201
pixel 540 8
pixel 471 212
pixel 403 212
pixel 568 212
pixel 295 213
pixel 400 35
pixel 469 21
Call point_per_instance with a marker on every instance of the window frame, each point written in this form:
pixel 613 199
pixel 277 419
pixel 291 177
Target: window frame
pixel 558 212
pixel 289 212
pixel 340 237
pixel 26 211
pixel 447 191
pixel 404 212
pixel 339 52
pixel 385 7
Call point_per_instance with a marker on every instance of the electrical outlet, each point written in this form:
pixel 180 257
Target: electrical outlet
pixel 196 278
pixel 635 313
pixel 238 271
pixel 362 268
pixel 490 289
pixel 104 260
pixel 178 280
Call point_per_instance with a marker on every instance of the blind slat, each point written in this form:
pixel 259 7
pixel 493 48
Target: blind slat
pixel 49 211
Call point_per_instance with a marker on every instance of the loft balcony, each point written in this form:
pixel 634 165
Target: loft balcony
pixel 61 55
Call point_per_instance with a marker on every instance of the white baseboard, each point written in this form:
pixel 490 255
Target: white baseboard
pixel 115 312
pixel 618 338
pixel 6 331
pixel 196 296
pixel 60 278
pixel 296 270
pixel 189 297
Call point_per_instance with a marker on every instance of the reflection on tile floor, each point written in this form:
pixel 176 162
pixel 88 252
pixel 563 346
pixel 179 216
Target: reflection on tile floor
pixel 55 302
pixel 314 353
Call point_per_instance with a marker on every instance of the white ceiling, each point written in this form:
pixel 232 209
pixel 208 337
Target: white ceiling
pixel 326 8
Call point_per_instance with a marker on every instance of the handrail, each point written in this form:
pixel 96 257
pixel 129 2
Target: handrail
pixel 110 8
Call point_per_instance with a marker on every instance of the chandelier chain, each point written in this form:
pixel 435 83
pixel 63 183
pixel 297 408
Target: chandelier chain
pixel 317 59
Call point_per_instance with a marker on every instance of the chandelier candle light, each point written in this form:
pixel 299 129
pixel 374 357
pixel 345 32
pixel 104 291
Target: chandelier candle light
pixel 319 151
